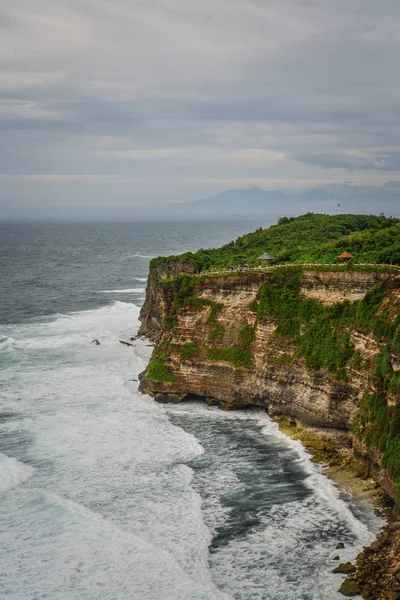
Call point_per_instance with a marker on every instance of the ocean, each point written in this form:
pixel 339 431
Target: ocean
pixel 107 495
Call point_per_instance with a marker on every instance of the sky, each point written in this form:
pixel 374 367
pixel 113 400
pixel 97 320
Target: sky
pixel 113 103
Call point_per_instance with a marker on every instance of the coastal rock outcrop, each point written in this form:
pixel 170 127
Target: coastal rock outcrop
pixel 276 377
pixel 317 348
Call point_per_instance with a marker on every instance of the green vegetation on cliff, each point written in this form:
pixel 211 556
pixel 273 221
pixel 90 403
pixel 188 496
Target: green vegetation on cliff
pixel 188 350
pixel 239 354
pixel 378 419
pixel 310 238
pixel 183 297
pixel 159 371
pixel 322 335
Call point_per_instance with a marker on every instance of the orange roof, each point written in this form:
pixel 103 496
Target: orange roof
pixel 346 255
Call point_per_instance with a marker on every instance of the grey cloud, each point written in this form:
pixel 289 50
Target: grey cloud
pixel 384 161
pixel 83 81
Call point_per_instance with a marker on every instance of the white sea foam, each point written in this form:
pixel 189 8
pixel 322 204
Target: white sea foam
pixel 6 344
pixel 112 512
pixel 323 487
pixel 13 472
pixel 79 328
pixel 288 555
pixel 132 524
pixel 124 291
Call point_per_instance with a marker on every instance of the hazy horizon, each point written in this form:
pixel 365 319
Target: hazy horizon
pixel 241 204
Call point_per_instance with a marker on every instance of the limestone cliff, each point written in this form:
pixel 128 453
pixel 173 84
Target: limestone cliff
pixel 320 348
pixel 276 377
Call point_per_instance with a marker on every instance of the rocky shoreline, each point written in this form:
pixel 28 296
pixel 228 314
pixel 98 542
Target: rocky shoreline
pixel 376 573
pixel 333 450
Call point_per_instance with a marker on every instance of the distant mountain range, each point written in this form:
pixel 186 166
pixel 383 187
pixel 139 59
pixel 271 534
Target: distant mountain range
pixel 255 201
pixel 250 202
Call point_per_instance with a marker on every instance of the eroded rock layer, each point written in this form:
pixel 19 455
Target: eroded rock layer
pixel 227 339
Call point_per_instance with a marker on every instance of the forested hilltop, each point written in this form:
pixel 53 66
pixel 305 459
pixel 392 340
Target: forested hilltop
pixel 310 238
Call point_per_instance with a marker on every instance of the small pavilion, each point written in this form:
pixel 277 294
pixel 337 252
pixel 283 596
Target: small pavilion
pixel 346 256
pixel 265 256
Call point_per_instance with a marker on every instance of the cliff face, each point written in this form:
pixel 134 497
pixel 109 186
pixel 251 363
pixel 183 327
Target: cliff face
pixel 319 348
pixel 214 343
pixel 156 305
pixel 276 379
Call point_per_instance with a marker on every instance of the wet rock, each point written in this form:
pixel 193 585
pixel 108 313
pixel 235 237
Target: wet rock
pixel 349 588
pixel 340 546
pixel 166 398
pixel 345 568
pixel 375 545
pixel 366 591
pixel 336 557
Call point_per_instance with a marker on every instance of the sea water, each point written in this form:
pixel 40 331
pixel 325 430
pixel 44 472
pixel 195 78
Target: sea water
pixel 107 495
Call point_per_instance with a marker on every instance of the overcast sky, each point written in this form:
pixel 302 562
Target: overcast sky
pixel 124 102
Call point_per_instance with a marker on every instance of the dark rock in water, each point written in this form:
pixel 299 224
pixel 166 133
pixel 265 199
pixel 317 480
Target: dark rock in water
pixel 95 342
pixel 340 546
pixel 345 568
pixel 126 343
pixel 349 588
pixel 336 557
pixel 168 398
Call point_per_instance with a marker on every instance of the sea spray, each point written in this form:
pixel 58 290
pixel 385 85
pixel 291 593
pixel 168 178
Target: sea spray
pixel 276 518
pixel 96 475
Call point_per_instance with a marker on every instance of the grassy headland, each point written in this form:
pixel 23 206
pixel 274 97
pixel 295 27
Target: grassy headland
pixel 310 238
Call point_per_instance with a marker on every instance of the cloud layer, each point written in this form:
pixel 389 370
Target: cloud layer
pixel 153 101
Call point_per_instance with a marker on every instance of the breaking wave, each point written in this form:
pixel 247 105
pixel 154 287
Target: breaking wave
pixel 124 291
pixel 13 472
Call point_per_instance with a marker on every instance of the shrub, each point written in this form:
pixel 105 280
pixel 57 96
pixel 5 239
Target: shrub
pixel 215 308
pixel 289 327
pixel 170 321
pixel 246 336
pixel 162 350
pixel 357 361
pixel 391 458
pixel 159 371
pixel 188 350
pixel 395 342
pixel 253 306
pixel 216 331
pixel 372 423
pixel 233 354
pixel 394 384
pixel 199 303
pixel 383 367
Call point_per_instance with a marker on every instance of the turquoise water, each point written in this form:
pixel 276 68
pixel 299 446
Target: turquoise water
pixel 107 495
